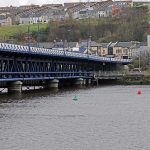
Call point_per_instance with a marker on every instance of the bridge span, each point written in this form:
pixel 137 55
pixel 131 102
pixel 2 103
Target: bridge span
pixel 23 65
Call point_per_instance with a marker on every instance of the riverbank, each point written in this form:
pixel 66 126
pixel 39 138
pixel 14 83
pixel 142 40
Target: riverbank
pixel 143 80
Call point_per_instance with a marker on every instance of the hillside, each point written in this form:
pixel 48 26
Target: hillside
pixel 133 26
pixel 18 31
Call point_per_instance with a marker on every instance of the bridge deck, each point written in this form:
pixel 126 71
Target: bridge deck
pixel 12 48
pixel 25 63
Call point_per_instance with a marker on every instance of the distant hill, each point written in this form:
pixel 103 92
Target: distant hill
pixel 133 26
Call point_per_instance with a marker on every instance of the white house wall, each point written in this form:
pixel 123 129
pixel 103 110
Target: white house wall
pixel 34 20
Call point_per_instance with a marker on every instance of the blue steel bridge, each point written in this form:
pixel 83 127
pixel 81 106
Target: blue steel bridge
pixel 25 63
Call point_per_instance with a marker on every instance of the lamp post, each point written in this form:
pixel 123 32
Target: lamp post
pixel 38 33
pixel 139 58
pixel 4 39
pixel 68 38
pixel 88 44
pixel 29 38
pixel 89 26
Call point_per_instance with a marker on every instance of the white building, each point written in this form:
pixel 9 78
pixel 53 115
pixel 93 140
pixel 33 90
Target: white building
pixel 32 20
pixel 5 20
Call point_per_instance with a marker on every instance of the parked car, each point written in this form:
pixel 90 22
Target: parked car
pixel 137 70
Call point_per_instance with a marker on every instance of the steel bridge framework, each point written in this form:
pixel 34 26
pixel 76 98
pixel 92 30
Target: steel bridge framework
pixel 23 63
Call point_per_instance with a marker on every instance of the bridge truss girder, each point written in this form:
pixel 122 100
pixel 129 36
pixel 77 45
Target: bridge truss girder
pixel 30 67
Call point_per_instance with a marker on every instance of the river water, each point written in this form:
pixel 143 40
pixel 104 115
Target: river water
pixel 103 118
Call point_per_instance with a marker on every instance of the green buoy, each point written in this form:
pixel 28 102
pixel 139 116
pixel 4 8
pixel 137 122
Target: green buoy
pixel 75 98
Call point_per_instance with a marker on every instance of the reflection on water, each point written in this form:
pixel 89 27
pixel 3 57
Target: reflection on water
pixel 103 118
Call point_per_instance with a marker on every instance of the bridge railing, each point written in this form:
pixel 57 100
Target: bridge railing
pixel 20 48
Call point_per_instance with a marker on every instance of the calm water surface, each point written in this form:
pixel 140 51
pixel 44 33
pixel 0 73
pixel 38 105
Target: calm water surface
pixel 103 118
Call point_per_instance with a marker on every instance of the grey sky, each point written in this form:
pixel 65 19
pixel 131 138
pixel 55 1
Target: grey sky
pixel 28 2
pixel 40 2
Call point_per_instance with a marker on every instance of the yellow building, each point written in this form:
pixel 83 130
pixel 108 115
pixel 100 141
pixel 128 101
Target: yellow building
pixel 117 49
pixel 121 50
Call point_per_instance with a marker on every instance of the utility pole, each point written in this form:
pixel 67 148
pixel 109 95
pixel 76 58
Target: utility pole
pixel 139 60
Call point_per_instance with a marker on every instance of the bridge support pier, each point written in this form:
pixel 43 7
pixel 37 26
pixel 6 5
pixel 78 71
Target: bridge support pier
pixel 84 82
pixel 15 86
pixel 78 82
pixel 95 82
pixel 88 81
pixel 53 84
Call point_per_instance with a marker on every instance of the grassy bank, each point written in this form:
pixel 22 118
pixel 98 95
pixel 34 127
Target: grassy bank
pixel 10 32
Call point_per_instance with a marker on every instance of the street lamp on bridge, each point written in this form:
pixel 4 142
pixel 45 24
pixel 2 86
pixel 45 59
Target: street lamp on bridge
pixel 29 38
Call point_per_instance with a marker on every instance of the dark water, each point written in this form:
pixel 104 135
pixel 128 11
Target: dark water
pixel 103 118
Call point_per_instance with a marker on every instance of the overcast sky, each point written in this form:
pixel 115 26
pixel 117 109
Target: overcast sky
pixel 39 2
pixel 28 2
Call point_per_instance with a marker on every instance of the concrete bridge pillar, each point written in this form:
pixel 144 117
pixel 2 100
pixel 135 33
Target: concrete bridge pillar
pixel 53 84
pixel 15 86
pixel 89 82
pixel 95 82
pixel 78 82
pixel 84 82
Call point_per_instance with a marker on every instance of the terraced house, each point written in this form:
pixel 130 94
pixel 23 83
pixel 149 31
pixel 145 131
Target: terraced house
pixel 42 14
pixel 29 14
pixel 96 9
pixel 5 20
pixel 121 50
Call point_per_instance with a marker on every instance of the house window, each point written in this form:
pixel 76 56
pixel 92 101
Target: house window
pixel 110 50
pixel 125 51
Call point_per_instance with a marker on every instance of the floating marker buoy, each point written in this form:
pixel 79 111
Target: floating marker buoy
pixel 75 98
pixel 139 92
